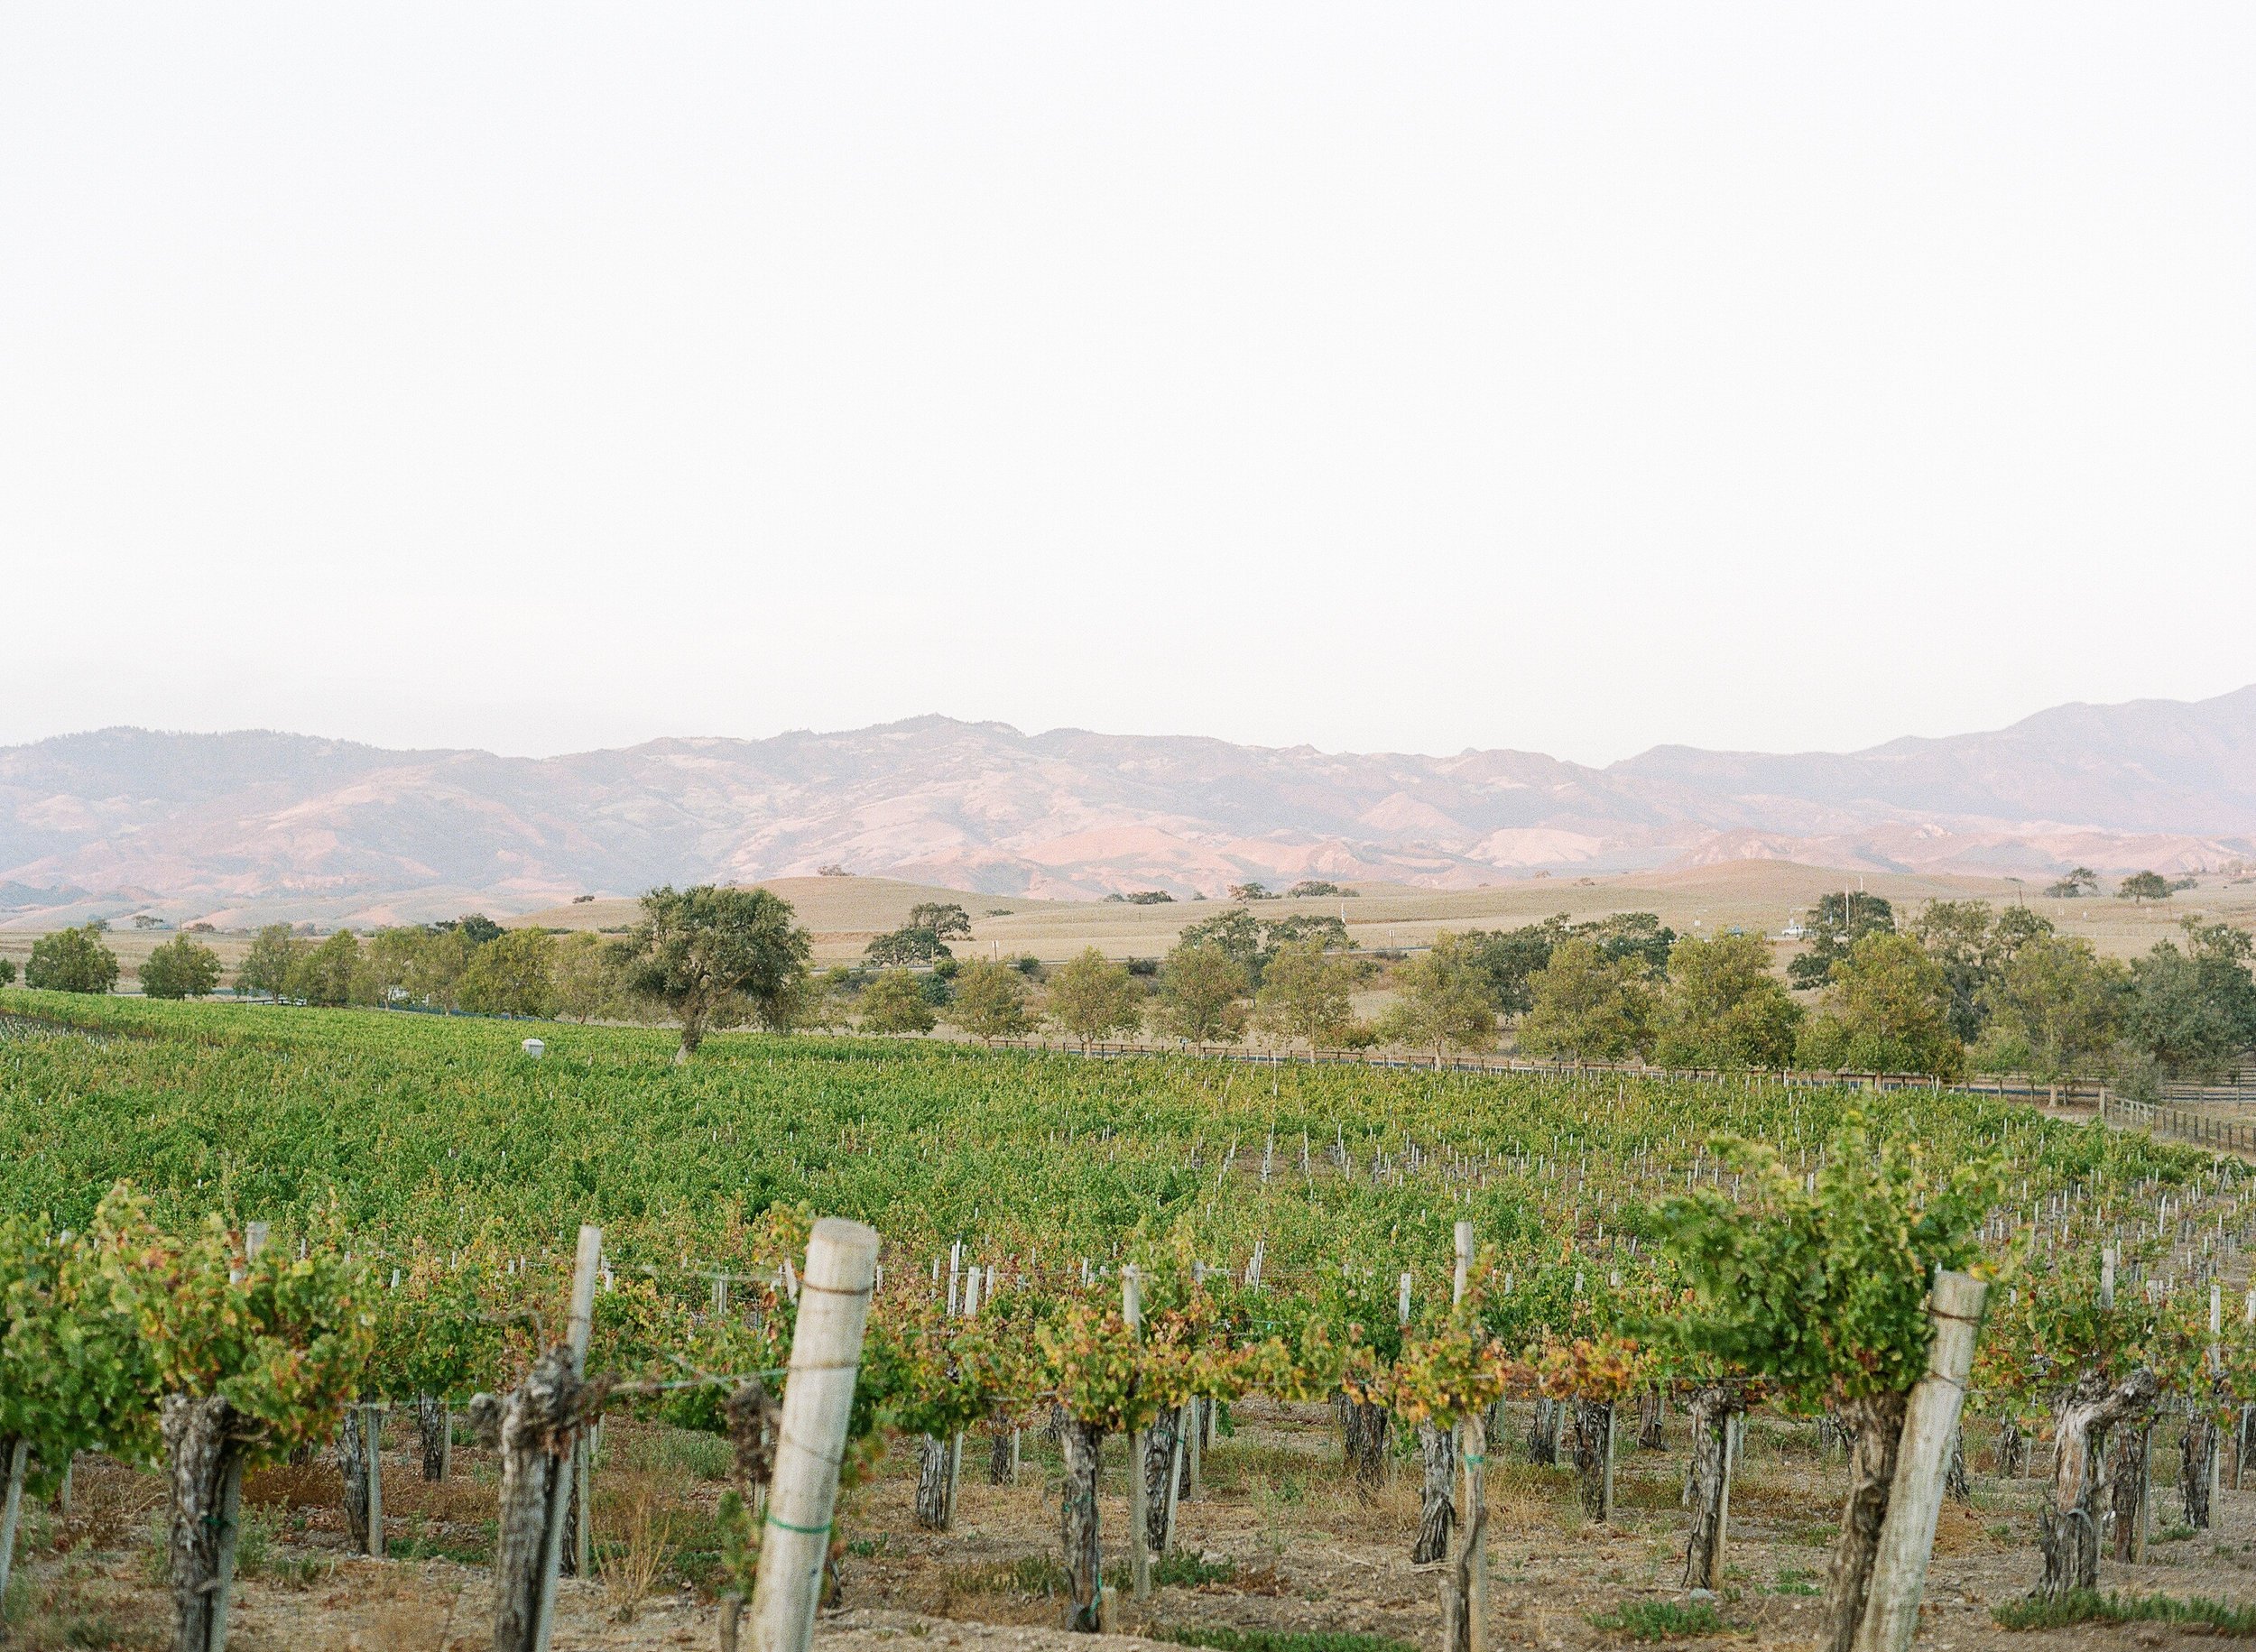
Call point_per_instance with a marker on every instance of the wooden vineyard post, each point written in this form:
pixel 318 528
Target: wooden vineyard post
pixel 1467 1583
pixel 577 1326
pixel 1195 1419
pixel 372 1442
pixel 1915 1499
pixel 2216 1372
pixel 12 1511
pixel 1139 1547
pixel 811 1438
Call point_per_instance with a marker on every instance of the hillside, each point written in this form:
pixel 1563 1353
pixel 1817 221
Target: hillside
pixel 240 826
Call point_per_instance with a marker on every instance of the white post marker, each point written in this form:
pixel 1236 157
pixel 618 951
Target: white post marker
pixel 1915 1501
pixel 534 1048
pixel 817 1403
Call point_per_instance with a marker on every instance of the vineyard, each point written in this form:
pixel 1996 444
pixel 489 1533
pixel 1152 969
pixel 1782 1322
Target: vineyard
pixel 1427 1357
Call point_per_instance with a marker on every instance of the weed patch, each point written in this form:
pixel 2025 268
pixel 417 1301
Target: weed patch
pixel 2090 1606
pixel 1661 1621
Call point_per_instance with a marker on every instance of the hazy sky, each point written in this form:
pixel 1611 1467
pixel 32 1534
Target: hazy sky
pixel 1574 377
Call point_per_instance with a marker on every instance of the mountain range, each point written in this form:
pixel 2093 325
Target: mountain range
pixel 246 826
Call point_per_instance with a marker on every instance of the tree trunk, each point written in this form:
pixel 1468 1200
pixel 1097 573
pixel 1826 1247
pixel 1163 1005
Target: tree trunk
pixel 1652 1412
pixel 999 1452
pixel 353 1461
pixel 1710 1487
pixel 1955 1481
pixel 206 1440
pixel 1159 1462
pixel 2129 1476
pixel 2068 1534
pixel 2194 1451
pixel 534 1427
pixel 1438 1510
pixel 1594 1454
pixel 1878 1423
pixel 936 1504
pixel 2013 1450
pixel 434 1430
pixel 1364 1430
pixel 1078 1526
pixel 1543 1433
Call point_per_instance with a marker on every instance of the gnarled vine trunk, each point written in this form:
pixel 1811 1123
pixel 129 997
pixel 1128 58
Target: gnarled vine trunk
pixel 2067 1532
pixel 1954 1480
pixel 534 1427
pixel 206 1442
pixel 1436 1505
pixel 356 1461
pixel 434 1433
pixel 2129 1473
pixel 1709 1486
pixel 2197 1451
pixel 935 1482
pixel 1364 1428
pixel 1002 1454
pixel 1593 1457
pixel 1878 1425
pixel 1084 1560
pixel 1653 1413
pixel 1160 1438
pixel 1543 1432
pixel 2012 1453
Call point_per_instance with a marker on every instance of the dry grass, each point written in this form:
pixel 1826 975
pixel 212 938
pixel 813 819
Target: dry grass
pixel 630 1546
pixel 112 1507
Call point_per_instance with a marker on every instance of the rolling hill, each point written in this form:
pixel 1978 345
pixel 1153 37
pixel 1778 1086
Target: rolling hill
pixel 244 825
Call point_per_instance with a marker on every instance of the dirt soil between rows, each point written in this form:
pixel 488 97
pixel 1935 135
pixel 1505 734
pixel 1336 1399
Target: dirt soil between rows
pixel 1283 1541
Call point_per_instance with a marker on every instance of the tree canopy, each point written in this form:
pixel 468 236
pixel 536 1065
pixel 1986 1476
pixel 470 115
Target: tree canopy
pixel 713 956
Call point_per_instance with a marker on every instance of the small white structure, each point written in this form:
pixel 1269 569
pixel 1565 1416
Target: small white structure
pixel 535 1048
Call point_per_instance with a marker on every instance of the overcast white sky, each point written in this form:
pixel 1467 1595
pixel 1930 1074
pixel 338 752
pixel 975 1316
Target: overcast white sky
pixel 1574 377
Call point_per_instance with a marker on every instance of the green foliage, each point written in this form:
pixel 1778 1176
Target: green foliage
pixel 893 1001
pixel 1833 927
pixel 1587 1006
pixel 72 961
pixel 2058 1004
pixel 1224 1638
pixel 2081 882
pixel 2143 886
pixel 2062 1612
pixel 587 978
pixel 1510 959
pixel 266 967
pixel 329 973
pixel 1820 1289
pixel 990 1001
pixel 1661 1621
pixel 284 1340
pixel 1091 997
pixel 8 971
pixel 1311 888
pixel 1308 994
pixel 181 968
pixel 1975 944
pixel 72 1369
pixel 910 943
pixel 2194 1010
pixel 1723 1008
pixel 1202 993
pixel 945 920
pixel 1887 1011
pixel 712 957
pixel 514 974
pixel 1444 1000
